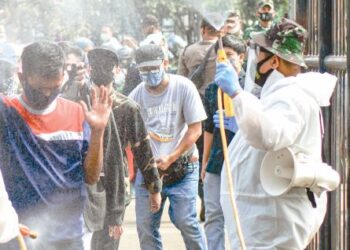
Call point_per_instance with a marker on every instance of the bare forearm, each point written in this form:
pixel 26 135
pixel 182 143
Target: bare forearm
pixel 193 133
pixel 94 159
pixel 207 142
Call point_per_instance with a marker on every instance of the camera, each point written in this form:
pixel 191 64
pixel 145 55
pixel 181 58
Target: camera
pixel 72 70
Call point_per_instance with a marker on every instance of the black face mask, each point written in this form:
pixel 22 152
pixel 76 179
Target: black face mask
pixel 37 99
pixel 101 77
pixel 265 17
pixel 260 78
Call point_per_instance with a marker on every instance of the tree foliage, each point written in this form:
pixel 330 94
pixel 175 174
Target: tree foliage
pixel 28 20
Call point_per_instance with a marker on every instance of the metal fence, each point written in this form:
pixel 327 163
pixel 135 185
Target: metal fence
pixel 327 50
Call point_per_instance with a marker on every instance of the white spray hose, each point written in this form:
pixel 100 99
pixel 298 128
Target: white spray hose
pixel 228 171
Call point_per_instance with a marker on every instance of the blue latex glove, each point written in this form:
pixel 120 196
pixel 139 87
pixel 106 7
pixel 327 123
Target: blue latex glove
pixel 227 79
pixel 229 122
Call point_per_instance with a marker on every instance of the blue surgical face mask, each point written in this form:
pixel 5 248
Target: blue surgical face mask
pixel 153 78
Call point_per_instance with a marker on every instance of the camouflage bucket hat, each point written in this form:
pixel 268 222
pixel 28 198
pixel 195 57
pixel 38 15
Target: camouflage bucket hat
pixel 286 40
pixel 265 3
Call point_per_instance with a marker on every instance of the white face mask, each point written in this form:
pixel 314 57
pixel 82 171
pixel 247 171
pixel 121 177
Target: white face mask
pixel 256 90
pixel 252 69
pixel 236 30
pixel 104 37
pixel 249 84
pixel 65 77
pixel 119 79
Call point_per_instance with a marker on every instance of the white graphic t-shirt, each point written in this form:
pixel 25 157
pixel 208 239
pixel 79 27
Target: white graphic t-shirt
pixel 166 115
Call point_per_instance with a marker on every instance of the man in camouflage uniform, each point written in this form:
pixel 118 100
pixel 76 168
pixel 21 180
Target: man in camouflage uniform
pixel 233 24
pixel 266 14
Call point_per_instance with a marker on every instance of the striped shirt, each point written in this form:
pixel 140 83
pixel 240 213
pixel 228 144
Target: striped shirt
pixel 42 155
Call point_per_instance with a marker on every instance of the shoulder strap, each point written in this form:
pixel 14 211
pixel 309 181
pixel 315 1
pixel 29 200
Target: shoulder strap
pixel 205 60
pixel 183 52
pixel 201 67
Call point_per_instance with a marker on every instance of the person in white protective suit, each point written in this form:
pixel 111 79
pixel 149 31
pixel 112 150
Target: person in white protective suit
pixel 9 228
pixel 286 115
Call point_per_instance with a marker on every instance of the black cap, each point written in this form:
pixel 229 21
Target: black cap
pixel 149 55
pixel 102 57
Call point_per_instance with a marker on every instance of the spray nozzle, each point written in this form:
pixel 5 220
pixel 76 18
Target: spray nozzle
pixel 26 232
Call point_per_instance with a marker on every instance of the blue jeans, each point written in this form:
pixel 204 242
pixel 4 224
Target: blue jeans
pixel 214 216
pixel 182 212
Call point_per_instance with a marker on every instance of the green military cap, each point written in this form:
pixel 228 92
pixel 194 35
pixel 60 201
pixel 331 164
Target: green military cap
pixel 265 3
pixel 285 39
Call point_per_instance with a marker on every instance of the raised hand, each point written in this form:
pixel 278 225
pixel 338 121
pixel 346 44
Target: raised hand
pixel 101 106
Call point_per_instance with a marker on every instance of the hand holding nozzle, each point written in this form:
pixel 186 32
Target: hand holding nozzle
pixel 224 80
pixel 227 79
pixel 26 232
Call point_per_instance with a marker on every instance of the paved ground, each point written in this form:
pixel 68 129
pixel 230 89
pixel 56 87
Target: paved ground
pixel 171 237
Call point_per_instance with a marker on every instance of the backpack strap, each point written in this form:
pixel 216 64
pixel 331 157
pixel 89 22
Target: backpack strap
pixel 197 74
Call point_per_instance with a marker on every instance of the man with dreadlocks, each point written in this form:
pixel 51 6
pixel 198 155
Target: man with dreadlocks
pixel 286 115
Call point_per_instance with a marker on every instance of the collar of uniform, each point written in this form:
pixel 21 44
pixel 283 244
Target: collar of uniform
pixel 271 80
pixel 207 42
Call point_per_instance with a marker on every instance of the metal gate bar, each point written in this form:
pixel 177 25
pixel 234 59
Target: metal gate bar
pixel 327 50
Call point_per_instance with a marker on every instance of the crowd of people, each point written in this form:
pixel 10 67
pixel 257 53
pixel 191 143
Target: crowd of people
pixel 79 122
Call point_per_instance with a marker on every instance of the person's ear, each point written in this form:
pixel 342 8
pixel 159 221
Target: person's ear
pixel 202 31
pixel 241 58
pixel 166 64
pixel 88 70
pixel 116 69
pixel 275 62
pixel 151 29
pixel 21 77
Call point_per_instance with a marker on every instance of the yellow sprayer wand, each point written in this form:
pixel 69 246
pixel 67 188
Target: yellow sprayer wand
pixel 229 111
pixel 228 104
